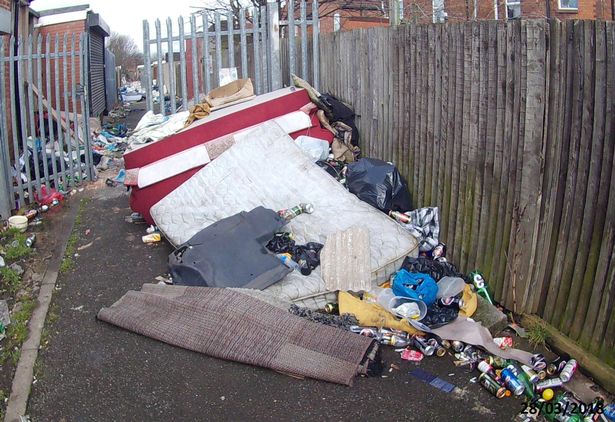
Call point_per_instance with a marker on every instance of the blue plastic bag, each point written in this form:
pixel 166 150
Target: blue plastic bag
pixel 417 286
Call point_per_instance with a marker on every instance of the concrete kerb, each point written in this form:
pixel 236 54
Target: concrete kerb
pixel 22 381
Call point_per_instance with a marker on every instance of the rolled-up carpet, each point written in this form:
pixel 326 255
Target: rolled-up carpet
pixel 231 325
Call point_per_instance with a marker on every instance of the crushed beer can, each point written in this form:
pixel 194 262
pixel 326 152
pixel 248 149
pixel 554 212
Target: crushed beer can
pixel 569 370
pixel 412 355
pixel 504 342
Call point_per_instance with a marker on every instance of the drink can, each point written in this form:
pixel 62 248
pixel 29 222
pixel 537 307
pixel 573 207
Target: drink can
pixel 451 302
pixel 468 349
pixel 531 374
pixel 569 370
pixel 426 348
pixel 551 383
pixel 332 308
pixel 439 251
pixel 492 385
pixel 457 345
pixel 542 374
pixel 496 361
pixel 557 365
pixel 514 369
pixel 485 368
pixel 440 351
pixel 446 344
pixel 369 332
pixel 399 216
pixel 512 382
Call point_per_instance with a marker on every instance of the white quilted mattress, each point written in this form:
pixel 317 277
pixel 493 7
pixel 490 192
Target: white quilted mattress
pixel 266 168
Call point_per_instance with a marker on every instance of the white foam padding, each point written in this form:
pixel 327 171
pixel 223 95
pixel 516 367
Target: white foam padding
pixel 266 168
pixel 172 165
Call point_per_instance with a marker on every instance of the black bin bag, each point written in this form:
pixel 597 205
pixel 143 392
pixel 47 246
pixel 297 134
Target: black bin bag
pixel 379 184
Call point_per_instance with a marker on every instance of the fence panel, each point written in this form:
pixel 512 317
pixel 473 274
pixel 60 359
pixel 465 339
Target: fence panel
pixel 509 129
pixel 44 118
pixel 188 60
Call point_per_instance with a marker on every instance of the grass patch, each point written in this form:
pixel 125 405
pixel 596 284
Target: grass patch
pixel 537 335
pixel 53 314
pixel 16 248
pixel 10 280
pixel 71 246
pixel 17 332
pixel 3 398
pixel 68 262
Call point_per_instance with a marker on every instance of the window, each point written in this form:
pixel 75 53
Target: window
pixel 513 9
pixel 439 15
pixel 337 22
pixel 569 4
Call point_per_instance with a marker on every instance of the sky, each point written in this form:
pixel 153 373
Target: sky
pixel 126 16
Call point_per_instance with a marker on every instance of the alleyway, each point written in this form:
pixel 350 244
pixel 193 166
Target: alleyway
pixel 91 370
pixel 94 371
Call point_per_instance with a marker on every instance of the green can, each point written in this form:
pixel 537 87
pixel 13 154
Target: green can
pixel 492 386
pixel 497 362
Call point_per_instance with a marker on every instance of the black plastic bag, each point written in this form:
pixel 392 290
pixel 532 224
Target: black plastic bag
pixel 307 255
pixel 436 269
pixel 379 184
pixel 438 315
pixel 340 112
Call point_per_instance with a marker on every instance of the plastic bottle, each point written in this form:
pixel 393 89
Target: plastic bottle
pixel 288 261
pixel 290 213
pixel 151 238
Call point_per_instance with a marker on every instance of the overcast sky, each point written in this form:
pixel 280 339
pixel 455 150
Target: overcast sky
pixel 126 16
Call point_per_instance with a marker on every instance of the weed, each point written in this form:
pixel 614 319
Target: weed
pixel 3 399
pixel 10 280
pixel 68 263
pixel 10 233
pixel 38 368
pixel 537 334
pixel 19 250
pixel 71 246
pixel 53 314
pixel 17 331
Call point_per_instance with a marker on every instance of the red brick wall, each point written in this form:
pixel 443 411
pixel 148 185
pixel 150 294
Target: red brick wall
pixel 461 10
pixel 6 4
pixel 68 28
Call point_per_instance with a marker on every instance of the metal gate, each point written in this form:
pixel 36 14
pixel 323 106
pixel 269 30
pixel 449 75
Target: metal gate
pixel 185 64
pixel 44 124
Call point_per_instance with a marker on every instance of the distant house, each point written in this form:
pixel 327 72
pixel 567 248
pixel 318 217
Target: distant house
pixel 346 15
pixel 73 21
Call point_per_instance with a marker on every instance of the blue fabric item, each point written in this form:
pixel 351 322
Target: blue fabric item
pixel 432 380
pixel 417 286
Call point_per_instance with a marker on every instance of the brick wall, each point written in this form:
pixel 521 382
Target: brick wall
pixel 461 10
pixel 59 30
pixel 6 4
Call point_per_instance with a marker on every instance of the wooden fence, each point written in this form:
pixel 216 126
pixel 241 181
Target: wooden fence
pixel 509 128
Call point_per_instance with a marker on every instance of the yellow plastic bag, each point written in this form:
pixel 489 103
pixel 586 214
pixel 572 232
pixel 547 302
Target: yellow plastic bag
pixel 371 314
